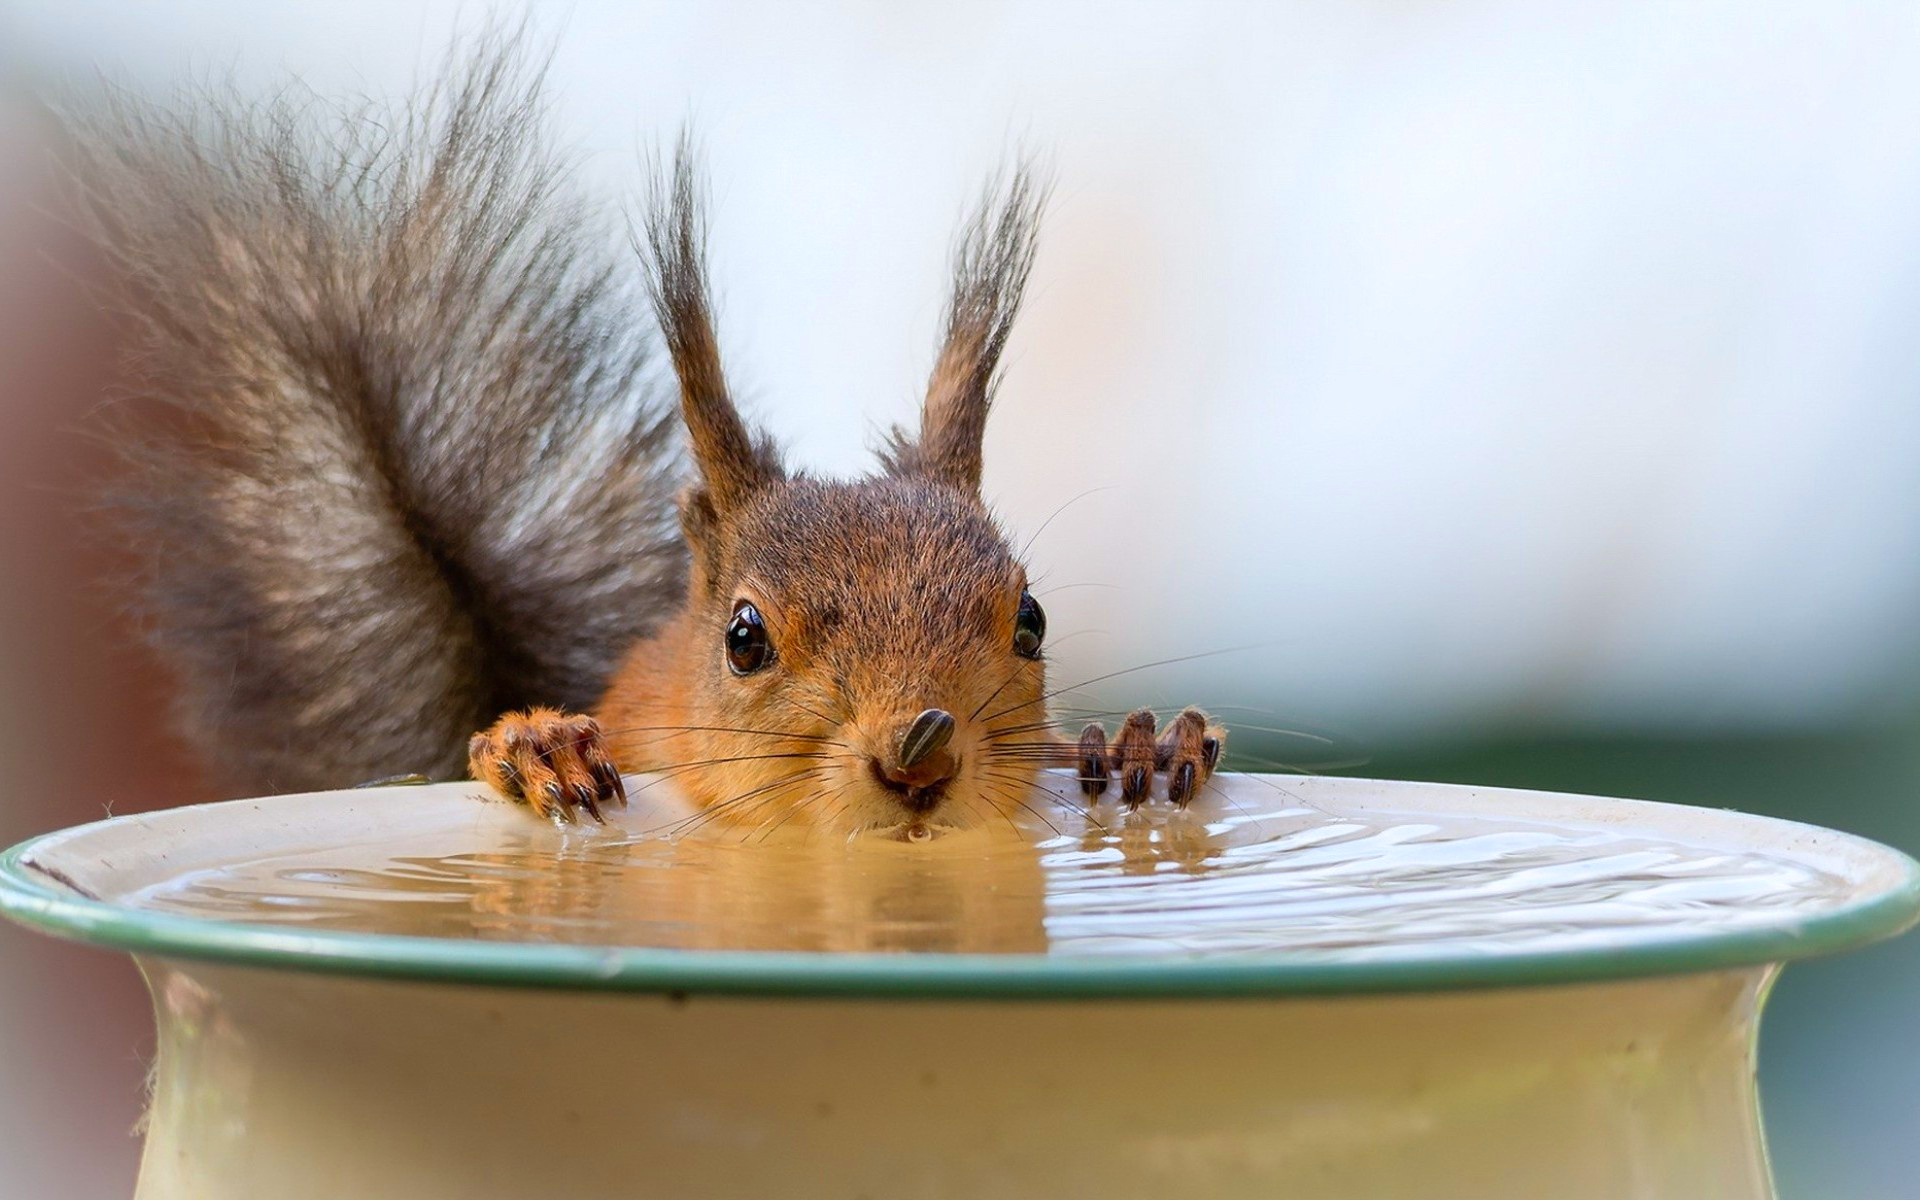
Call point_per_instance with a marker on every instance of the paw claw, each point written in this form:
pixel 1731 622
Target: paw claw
pixel 1133 755
pixel 612 788
pixel 1180 786
pixel 1093 760
pixel 552 762
pixel 1187 749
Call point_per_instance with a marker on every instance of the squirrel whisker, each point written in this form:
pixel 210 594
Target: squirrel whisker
pixel 688 824
pixel 1009 789
pixel 1017 672
pixel 809 710
pixel 1001 812
pixel 667 773
pixel 830 796
pixel 1092 491
pixel 1309 735
pixel 673 730
pixel 792 809
pixel 1052 724
pixel 1164 662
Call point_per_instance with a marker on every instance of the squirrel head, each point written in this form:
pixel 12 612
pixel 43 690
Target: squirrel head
pixel 859 653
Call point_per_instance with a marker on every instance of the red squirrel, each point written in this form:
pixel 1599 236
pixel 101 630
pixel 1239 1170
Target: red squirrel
pixel 401 460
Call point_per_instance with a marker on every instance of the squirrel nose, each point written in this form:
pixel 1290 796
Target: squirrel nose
pixel 922 764
pixel 928 733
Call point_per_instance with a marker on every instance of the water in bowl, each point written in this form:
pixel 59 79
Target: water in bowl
pixel 1255 872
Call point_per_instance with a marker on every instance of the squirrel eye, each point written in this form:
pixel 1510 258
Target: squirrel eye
pixel 1029 628
pixel 747 646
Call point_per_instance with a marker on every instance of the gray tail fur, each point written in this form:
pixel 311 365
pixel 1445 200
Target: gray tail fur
pixel 399 457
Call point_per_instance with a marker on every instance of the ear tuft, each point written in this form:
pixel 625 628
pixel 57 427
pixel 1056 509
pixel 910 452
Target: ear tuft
pixel 733 462
pixel 990 268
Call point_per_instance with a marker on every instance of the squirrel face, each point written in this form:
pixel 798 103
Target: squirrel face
pixel 884 630
pixel 863 652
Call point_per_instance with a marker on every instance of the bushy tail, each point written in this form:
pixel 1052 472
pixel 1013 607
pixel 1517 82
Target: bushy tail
pixel 399 457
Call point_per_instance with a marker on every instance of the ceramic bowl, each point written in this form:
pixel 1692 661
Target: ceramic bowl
pixel 1033 1054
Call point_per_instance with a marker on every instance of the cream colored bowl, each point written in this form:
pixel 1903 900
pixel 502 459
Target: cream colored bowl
pixel 1042 1050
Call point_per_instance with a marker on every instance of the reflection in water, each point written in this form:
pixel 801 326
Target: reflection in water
pixel 1256 871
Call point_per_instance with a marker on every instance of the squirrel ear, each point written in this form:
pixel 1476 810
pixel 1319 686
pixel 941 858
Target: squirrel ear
pixel 990 269
pixel 733 461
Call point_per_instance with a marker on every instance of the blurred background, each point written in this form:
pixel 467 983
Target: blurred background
pixel 1533 387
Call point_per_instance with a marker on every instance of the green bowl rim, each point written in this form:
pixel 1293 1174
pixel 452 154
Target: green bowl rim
pixel 33 898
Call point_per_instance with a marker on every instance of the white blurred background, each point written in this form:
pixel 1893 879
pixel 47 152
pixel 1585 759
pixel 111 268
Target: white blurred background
pixel 1490 369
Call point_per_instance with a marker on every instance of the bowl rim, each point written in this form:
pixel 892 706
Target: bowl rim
pixel 38 897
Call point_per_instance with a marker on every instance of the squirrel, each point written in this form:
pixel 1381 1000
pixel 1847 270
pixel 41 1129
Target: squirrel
pixel 400 459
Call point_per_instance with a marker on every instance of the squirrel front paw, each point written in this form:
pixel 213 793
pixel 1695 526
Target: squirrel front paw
pixel 552 761
pixel 1188 749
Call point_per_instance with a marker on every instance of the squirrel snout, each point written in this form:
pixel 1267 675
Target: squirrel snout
pixel 926 737
pixel 920 766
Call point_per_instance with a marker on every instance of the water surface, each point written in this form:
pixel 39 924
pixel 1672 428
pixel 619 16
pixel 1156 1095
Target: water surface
pixel 1257 871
